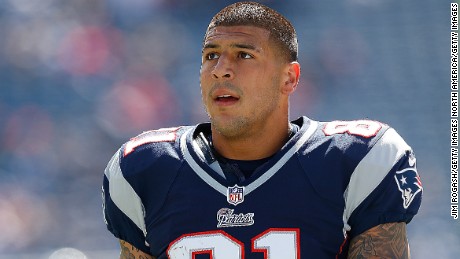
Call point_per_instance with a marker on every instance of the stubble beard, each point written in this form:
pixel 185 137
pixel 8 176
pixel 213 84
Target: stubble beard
pixel 242 126
pixel 236 128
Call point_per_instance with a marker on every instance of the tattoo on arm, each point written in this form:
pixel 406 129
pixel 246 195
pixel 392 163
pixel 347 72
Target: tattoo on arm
pixel 129 251
pixel 383 241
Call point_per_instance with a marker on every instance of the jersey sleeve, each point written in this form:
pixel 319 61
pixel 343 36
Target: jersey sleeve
pixel 136 183
pixel 385 187
pixel 123 209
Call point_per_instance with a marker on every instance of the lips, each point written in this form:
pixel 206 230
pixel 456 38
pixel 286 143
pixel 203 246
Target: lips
pixel 225 98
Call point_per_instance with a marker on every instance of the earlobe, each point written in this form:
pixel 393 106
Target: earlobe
pixel 292 77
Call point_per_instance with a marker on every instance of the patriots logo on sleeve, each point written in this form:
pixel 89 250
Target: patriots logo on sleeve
pixel 409 184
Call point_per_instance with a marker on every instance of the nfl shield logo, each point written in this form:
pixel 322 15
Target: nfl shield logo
pixel 235 195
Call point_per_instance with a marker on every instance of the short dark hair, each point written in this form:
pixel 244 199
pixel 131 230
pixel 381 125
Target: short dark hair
pixel 255 14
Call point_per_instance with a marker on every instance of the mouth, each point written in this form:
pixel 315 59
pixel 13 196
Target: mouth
pixel 225 95
pixel 225 99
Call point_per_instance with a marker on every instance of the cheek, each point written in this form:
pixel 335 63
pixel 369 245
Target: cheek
pixel 267 84
pixel 204 87
pixel 205 75
pixel 264 76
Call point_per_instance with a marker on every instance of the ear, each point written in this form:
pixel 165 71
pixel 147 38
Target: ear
pixel 291 78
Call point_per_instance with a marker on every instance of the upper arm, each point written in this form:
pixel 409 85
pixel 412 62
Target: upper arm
pixel 131 252
pixel 123 208
pixel 382 241
pixel 384 188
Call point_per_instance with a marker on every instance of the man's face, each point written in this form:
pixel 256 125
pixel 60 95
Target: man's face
pixel 240 78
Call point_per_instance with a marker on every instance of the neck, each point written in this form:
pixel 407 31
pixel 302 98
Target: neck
pixel 262 142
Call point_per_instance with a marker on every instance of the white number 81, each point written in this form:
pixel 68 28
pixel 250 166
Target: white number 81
pixel 274 243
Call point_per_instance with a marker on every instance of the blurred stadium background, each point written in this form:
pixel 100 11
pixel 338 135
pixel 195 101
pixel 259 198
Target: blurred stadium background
pixel 80 77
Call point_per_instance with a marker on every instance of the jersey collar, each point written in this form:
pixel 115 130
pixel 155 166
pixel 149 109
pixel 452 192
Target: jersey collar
pixel 198 154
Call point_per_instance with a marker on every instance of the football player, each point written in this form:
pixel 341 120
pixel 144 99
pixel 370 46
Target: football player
pixel 251 183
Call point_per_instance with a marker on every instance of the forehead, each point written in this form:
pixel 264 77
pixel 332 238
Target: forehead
pixel 237 34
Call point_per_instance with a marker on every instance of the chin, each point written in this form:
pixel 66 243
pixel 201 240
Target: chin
pixel 230 128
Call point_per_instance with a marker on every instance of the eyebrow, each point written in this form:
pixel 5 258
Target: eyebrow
pixel 233 45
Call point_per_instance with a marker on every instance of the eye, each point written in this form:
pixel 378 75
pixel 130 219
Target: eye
pixel 211 56
pixel 245 55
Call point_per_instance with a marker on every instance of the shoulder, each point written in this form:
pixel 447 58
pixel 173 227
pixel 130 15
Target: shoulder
pixel 373 168
pixel 140 173
pixel 346 134
pixel 344 150
pixel 366 145
pixel 151 148
pixel 359 139
pixel 151 157
pixel 352 140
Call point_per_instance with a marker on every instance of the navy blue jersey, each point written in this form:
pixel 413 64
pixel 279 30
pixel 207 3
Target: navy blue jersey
pixel 166 194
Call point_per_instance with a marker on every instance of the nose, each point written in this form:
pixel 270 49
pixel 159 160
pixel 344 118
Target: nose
pixel 223 69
